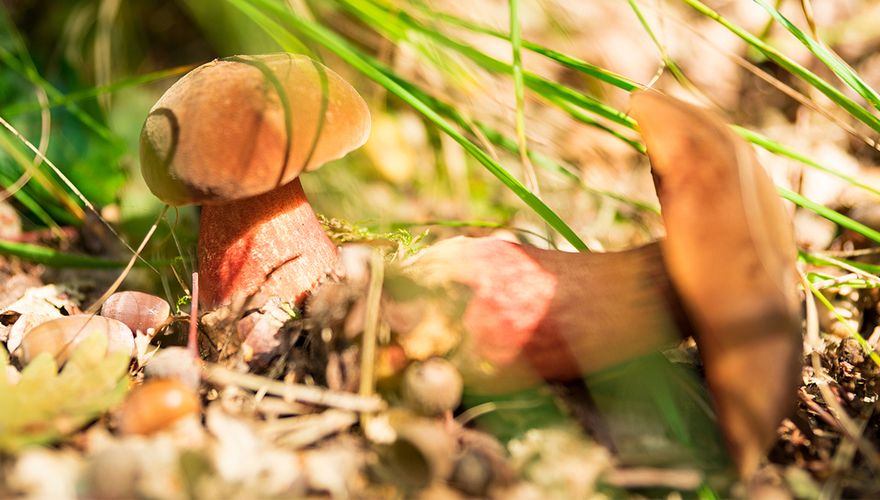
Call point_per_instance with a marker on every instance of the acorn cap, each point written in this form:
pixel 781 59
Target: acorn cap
pixel 730 254
pixel 242 126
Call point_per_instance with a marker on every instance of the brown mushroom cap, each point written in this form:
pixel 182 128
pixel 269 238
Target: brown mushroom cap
pixel 242 126
pixel 730 254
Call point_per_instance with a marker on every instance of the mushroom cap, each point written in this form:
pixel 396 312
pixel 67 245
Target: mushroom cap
pixel 241 126
pixel 730 254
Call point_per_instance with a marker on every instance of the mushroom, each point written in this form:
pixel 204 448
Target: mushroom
pixel 534 314
pixel 725 273
pixel 234 135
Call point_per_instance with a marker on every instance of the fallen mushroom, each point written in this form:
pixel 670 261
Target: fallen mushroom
pixel 234 135
pixel 725 273
pixel 536 315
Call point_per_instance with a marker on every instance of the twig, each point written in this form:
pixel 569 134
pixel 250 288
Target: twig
pixel 192 338
pixel 371 326
pixel 298 432
pixel 296 392
pixel 274 407
pixel 648 477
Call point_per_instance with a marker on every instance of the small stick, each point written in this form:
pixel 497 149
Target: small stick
pixel 647 477
pixel 371 327
pixel 274 407
pixel 192 339
pixel 297 392
pixel 298 432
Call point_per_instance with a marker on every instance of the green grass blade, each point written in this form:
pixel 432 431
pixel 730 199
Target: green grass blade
pixel 664 56
pixel 840 68
pixel 791 66
pixel 517 70
pixel 832 215
pixel 779 149
pixel 566 60
pixel 54 258
pixel 18 157
pixel 375 16
pixel 364 64
pixel 549 164
pixel 283 37
pixel 510 145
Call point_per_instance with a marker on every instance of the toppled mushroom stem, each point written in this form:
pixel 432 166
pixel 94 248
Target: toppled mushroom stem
pixel 234 135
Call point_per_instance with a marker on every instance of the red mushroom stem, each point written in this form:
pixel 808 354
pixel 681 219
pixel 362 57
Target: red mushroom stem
pixel 272 243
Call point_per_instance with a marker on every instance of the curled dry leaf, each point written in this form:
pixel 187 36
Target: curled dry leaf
pixel 29 306
pixel 335 469
pixel 33 466
pixel 260 331
pixel 730 253
pixel 13 288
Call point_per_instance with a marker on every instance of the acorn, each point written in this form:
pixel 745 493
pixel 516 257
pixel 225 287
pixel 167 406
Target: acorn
pixel 432 387
pixel 60 337
pixel 140 311
pixel 156 405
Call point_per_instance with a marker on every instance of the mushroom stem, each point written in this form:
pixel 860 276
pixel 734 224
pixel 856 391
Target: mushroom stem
pixel 270 244
pixel 539 314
